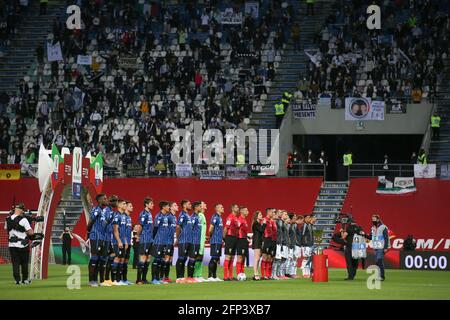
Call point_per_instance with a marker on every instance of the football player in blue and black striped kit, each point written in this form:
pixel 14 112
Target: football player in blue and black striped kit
pixel 108 252
pixel 119 242
pixel 161 236
pixel 145 236
pixel 194 246
pixel 183 238
pixel 215 241
pixel 170 242
pixel 129 230
pixel 96 233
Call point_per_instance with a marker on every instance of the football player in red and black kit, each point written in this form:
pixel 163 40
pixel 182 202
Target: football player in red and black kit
pixel 267 245
pixel 242 242
pixel 230 233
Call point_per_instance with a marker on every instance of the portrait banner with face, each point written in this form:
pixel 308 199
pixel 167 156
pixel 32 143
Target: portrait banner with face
pixel 362 109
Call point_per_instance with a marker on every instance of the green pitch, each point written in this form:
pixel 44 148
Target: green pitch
pixel 400 284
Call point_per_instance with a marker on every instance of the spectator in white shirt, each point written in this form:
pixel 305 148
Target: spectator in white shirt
pixel 96 118
pixel 205 21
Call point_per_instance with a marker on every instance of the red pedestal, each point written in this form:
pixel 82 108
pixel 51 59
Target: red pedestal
pixel 320 268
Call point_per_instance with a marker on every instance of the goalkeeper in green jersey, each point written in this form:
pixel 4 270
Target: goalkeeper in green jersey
pixel 198 271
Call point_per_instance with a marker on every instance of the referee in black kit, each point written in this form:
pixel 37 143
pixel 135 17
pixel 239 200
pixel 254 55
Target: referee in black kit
pixel 19 231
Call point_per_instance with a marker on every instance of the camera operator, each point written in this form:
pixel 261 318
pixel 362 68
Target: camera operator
pixel 409 244
pixel 19 233
pixel 66 237
pixel 347 233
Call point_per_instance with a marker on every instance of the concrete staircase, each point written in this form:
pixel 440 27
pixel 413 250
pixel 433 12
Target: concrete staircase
pixel 440 150
pixel 328 207
pixel 73 209
pixel 21 52
pixel 292 63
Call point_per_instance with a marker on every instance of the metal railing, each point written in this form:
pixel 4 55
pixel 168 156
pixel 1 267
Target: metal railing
pixel 360 170
pixel 205 171
pixel 308 170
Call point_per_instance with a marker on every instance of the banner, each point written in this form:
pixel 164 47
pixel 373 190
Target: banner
pixel 252 8
pixel 229 17
pixel 160 167
pixel 212 174
pixel 45 166
pixel 135 170
pixel 400 185
pixel 31 169
pixel 263 170
pixel 77 166
pixel 395 106
pixel 54 52
pixel 183 170
pixel 445 171
pixel 10 171
pixel 236 173
pixel 360 109
pixel 96 172
pixel 425 171
pixel 67 158
pixel 325 100
pixel 58 162
pixel 128 62
pixel 304 110
pixel 314 56
pixel 85 169
pixel 84 60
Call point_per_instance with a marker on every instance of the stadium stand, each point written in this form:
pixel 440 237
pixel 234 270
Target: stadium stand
pixel 149 74
pixel 154 67
pixel 405 56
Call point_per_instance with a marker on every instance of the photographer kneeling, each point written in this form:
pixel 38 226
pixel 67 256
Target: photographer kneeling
pixel 19 233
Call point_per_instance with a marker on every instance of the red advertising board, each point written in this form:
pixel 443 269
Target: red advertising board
pixel 67 169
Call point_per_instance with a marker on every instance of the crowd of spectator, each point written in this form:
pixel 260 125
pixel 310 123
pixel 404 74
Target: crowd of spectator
pixel 11 14
pixel 185 66
pixel 404 59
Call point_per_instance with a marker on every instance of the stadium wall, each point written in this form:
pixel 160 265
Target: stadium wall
pixel 293 194
pixel 296 194
pixel 423 214
pixel 332 122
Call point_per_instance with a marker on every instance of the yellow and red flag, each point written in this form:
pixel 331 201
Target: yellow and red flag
pixel 10 171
